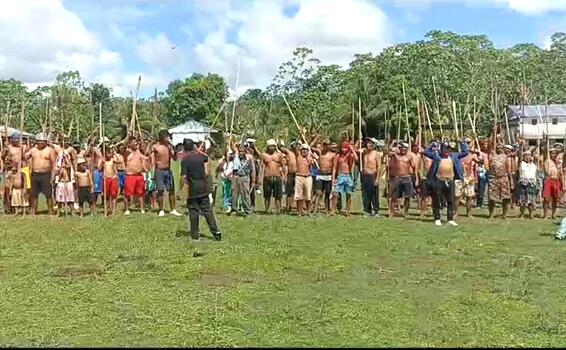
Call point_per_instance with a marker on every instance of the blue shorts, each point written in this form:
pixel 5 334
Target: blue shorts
pixel 164 180
pixel 97 181
pixel 121 179
pixel 344 184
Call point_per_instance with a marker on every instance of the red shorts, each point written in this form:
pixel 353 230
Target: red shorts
pixel 552 188
pixel 134 186
pixel 111 187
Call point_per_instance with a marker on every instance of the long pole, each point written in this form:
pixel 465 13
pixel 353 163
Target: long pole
pixel 398 124
pixel 353 121
pixel 420 135
pixel 454 117
pixel 406 112
pixel 428 120
pixel 295 120
pixel 218 114
pixel 360 132
pixel 235 100
pixel 104 158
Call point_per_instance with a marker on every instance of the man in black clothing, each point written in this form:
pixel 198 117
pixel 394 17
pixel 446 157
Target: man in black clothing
pixel 193 171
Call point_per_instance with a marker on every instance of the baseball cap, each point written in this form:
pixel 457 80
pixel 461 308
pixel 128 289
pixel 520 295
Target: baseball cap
pixel 304 146
pixel 271 142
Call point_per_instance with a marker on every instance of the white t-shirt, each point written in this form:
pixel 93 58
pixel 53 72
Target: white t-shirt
pixel 528 171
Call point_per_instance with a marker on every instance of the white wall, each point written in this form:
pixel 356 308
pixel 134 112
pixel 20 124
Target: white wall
pixel 530 131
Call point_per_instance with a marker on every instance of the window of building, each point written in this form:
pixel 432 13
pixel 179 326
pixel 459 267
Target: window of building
pixel 534 121
pixel 554 121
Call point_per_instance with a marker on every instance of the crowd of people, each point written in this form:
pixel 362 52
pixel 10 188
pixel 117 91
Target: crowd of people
pixel 322 176
pixel 74 178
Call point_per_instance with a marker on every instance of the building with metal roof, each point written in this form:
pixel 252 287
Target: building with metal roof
pixel 191 129
pixel 534 122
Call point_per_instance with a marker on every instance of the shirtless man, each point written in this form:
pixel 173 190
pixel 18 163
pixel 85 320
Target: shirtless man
pixel 120 166
pixel 371 163
pixel 134 184
pixel 303 180
pixel 161 155
pixel 426 189
pixel 291 170
pixel 273 172
pixel 342 180
pixel 552 191
pixel 323 181
pixel 466 188
pixel 42 160
pixel 416 155
pixel 94 164
pixel 403 170
pixel 110 182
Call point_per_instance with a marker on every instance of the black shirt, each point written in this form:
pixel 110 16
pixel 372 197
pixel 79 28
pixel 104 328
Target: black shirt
pixel 192 168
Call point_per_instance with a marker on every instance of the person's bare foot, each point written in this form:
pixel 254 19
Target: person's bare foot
pixel 469 216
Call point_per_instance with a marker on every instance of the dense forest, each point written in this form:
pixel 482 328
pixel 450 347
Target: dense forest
pixel 452 78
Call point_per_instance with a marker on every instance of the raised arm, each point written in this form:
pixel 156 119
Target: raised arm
pixel 464 150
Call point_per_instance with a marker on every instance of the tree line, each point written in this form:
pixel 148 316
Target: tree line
pixel 436 83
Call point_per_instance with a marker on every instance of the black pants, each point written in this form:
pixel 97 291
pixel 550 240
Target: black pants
pixel 200 206
pixel 370 194
pixel 443 191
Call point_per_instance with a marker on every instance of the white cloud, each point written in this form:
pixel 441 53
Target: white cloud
pixel 40 39
pixel 261 36
pixel 529 7
pixel 158 51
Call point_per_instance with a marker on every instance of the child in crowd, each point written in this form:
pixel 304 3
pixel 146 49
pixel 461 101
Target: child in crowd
pixel 65 192
pixel 85 187
pixel 19 193
pixel 110 182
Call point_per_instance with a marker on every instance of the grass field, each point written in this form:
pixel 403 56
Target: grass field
pixel 281 281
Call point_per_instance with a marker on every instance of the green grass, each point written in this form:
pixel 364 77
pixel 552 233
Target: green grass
pixel 280 281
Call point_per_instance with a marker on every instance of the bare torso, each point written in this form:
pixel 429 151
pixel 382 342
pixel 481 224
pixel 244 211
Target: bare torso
pixel 272 164
pixel 445 169
pixel 303 165
pixel 401 165
pixel 162 156
pixel 135 163
pixel 42 161
pixel 326 162
pixel 371 161
pixel 291 163
pixel 83 178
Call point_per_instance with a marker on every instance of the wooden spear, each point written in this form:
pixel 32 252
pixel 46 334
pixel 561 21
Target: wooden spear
pixel 454 117
pixel 218 114
pixel 104 158
pixel 5 128
pixel 428 120
pixel 295 120
pixel 398 117
pixel 408 130
pixel 235 100
pixel 353 121
pixel 360 131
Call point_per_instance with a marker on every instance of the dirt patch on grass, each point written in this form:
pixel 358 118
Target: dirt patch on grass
pixel 78 271
pixel 221 279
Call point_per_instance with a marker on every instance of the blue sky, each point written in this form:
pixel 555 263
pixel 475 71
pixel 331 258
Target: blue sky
pixel 113 42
